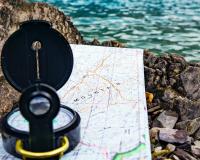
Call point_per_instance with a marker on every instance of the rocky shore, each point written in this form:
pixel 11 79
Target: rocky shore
pixel 173 83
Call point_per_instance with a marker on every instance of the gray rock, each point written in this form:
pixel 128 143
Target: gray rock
pixel 168 119
pixel 179 59
pixel 183 155
pixel 174 157
pixel 163 81
pixel 172 81
pixel 196 148
pixel 197 135
pixel 190 126
pixel 173 135
pixel 187 109
pixel 154 133
pixel 169 95
pixel 191 82
pixel 171 147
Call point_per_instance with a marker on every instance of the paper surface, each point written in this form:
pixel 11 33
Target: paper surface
pixel 107 89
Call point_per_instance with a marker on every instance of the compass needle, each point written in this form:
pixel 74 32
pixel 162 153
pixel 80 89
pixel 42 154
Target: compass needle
pixel 36 46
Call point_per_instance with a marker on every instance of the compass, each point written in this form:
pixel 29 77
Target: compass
pixel 37 60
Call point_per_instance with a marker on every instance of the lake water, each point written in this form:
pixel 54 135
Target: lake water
pixel 171 26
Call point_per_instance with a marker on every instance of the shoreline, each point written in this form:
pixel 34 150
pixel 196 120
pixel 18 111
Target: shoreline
pixel 174 83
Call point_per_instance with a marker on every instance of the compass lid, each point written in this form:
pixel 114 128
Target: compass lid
pixel 51 62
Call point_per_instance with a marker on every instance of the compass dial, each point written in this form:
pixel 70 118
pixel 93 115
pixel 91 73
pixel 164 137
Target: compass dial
pixel 18 122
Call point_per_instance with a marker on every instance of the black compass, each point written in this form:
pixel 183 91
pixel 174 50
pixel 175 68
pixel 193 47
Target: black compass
pixel 37 60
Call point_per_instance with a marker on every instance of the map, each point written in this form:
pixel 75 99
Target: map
pixel 107 89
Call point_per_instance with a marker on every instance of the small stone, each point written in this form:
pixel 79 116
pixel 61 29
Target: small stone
pixel 161 64
pixel 179 59
pixel 174 69
pixel 169 95
pixel 163 81
pixel 196 148
pixel 152 59
pixel 157 149
pixel 190 140
pixel 171 147
pixel 172 81
pixel 159 72
pixel 180 89
pixel 173 135
pixel 197 135
pixel 168 119
pixel 174 157
pixel 154 133
pixel 183 155
pixel 156 80
pixel 95 42
pixel 153 109
pixel 190 126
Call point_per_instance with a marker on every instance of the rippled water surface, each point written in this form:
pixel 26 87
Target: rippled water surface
pixel 159 25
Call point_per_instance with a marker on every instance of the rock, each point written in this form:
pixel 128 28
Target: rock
pixel 112 44
pixel 8 96
pixel 191 82
pixel 179 59
pixel 168 98
pixel 12 13
pixel 164 81
pixel 154 133
pixel 172 135
pixel 187 109
pixel 172 81
pixel 190 126
pixel 183 155
pixel 196 148
pixel 171 147
pixel 197 135
pixel 150 60
pixel 168 95
pixel 174 157
pixel 168 119
pixel 150 76
pixel 157 149
pixel 94 42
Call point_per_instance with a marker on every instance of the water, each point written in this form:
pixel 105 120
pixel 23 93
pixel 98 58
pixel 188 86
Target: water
pixel 171 26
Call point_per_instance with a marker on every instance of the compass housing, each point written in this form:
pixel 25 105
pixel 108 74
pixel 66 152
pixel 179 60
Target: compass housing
pixel 10 134
pixel 37 60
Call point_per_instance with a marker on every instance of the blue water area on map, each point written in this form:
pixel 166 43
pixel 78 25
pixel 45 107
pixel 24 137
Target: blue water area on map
pixel 159 25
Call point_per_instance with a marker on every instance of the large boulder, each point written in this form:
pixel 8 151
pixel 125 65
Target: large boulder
pixel 12 13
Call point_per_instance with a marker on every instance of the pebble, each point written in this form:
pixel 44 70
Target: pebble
pixel 175 157
pixel 171 147
pixel 168 119
pixel 154 133
pixel 197 135
pixel 183 155
pixel 173 135
pixel 190 126
pixel 196 148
